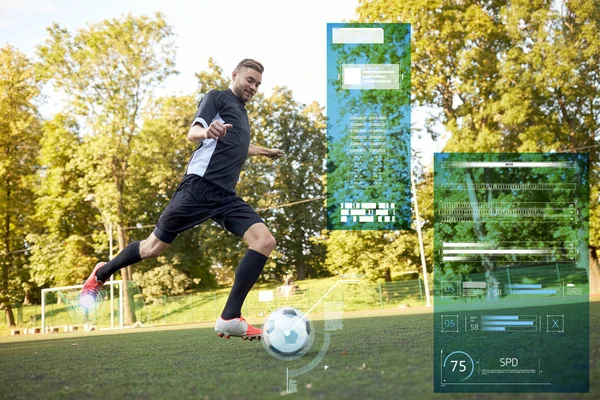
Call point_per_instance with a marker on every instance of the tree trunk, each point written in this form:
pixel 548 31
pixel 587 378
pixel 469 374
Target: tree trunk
pixel 128 310
pixel 490 277
pixel 388 275
pixel 301 271
pixel 594 271
pixel 10 318
pixel 27 299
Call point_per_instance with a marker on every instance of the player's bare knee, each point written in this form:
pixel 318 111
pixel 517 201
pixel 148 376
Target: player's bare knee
pixel 266 243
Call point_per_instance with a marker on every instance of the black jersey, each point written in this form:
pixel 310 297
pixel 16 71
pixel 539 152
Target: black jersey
pixel 220 161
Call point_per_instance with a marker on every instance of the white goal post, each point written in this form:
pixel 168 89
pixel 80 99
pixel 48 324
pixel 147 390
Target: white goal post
pixel 107 302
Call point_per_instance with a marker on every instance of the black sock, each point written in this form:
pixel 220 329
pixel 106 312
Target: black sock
pixel 246 275
pixel 130 255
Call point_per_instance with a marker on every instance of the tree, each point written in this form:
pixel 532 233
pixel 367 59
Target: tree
pixel 19 144
pixel 299 131
pixel 380 254
pixel 108 71
pixel 516 76
pixel 60 245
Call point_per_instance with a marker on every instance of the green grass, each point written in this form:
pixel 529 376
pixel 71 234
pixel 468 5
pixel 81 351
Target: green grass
pixel 206 306
pixel 379 357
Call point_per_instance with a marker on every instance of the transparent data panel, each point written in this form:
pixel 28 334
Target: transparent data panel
pixel 511 273
pixel 368 126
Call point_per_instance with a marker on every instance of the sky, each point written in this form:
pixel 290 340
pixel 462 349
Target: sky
pixel 288 37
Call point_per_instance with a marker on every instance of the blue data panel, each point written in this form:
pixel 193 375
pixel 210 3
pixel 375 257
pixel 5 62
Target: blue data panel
pixel 511 273
pixel 368 126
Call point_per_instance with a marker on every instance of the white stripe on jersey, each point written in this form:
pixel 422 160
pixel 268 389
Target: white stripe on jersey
pixel 201 121
pixel 201 158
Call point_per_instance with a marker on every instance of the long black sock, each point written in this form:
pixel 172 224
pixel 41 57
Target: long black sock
pixel 246 274
pixel 130 255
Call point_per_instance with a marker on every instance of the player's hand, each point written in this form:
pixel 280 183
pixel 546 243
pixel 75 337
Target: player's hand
pixel 274 154
pixel 217 129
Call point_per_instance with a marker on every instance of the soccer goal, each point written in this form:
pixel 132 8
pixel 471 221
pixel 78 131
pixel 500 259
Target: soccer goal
pixel 62 311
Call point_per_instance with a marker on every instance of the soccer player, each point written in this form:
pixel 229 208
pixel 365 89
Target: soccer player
pixel 207 190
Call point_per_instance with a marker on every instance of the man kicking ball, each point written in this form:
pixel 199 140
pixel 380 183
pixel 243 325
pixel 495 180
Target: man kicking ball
pixel 207 190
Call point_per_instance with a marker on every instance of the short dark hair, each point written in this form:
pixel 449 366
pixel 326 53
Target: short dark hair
pixel 250 63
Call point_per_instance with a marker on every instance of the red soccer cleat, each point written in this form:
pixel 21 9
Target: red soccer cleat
pixel 237 327
pixel 93 285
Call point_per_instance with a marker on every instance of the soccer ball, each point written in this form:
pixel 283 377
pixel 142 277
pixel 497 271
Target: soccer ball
pixel 287 334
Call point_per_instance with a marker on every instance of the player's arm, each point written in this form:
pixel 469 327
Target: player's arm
pixel 208 109
pixel 216 129
pixel 262 151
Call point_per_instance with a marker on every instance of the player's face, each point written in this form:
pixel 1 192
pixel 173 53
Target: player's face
pixel 246 83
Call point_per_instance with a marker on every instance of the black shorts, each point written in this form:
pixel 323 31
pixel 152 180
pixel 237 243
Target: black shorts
pixel 197 200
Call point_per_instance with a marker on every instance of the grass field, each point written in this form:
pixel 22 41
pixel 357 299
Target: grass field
pixel 374 357
pixel 206 306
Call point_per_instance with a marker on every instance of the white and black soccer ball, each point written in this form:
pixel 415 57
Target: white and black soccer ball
pixel 287 334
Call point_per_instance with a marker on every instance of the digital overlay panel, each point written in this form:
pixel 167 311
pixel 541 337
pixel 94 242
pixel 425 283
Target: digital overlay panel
pixel 511 273
pixel 368 126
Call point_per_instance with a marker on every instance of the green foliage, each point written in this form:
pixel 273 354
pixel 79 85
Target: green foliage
pixel 383 254
pixel 299 131
pixel 213 79
pixel 160 281
pixel 60 250
pixel 108 71
pixel 515 76
pixel 19 145
pixel 130 151
pixel 375 254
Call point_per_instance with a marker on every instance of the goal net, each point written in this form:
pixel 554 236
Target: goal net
pixel 62 310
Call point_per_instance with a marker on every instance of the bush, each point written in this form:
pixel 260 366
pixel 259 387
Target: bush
pixel 160 281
